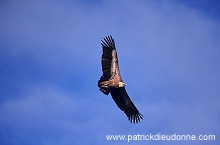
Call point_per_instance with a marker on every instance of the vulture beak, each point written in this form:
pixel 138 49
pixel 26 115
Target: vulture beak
pixel 121 84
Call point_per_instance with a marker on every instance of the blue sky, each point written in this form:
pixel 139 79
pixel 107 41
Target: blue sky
pixel 50 62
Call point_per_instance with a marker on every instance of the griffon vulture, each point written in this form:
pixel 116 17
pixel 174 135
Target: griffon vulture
pixel 111 81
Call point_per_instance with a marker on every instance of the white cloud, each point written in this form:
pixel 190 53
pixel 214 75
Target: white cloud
pixel 47 111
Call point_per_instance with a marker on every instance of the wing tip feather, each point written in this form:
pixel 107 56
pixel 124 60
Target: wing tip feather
pixel 135 118
pixel 108 41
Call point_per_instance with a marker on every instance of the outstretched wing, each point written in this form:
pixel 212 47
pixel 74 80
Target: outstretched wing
pixel 123 101
pixel 109 59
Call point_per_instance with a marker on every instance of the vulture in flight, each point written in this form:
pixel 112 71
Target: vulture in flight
pixel 111 81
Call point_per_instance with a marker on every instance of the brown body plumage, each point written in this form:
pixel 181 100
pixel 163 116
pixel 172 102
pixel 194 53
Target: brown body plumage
pixel 111 81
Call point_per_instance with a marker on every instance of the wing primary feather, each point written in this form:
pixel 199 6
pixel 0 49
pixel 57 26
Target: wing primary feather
pixel 108 42
pixel 104 44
